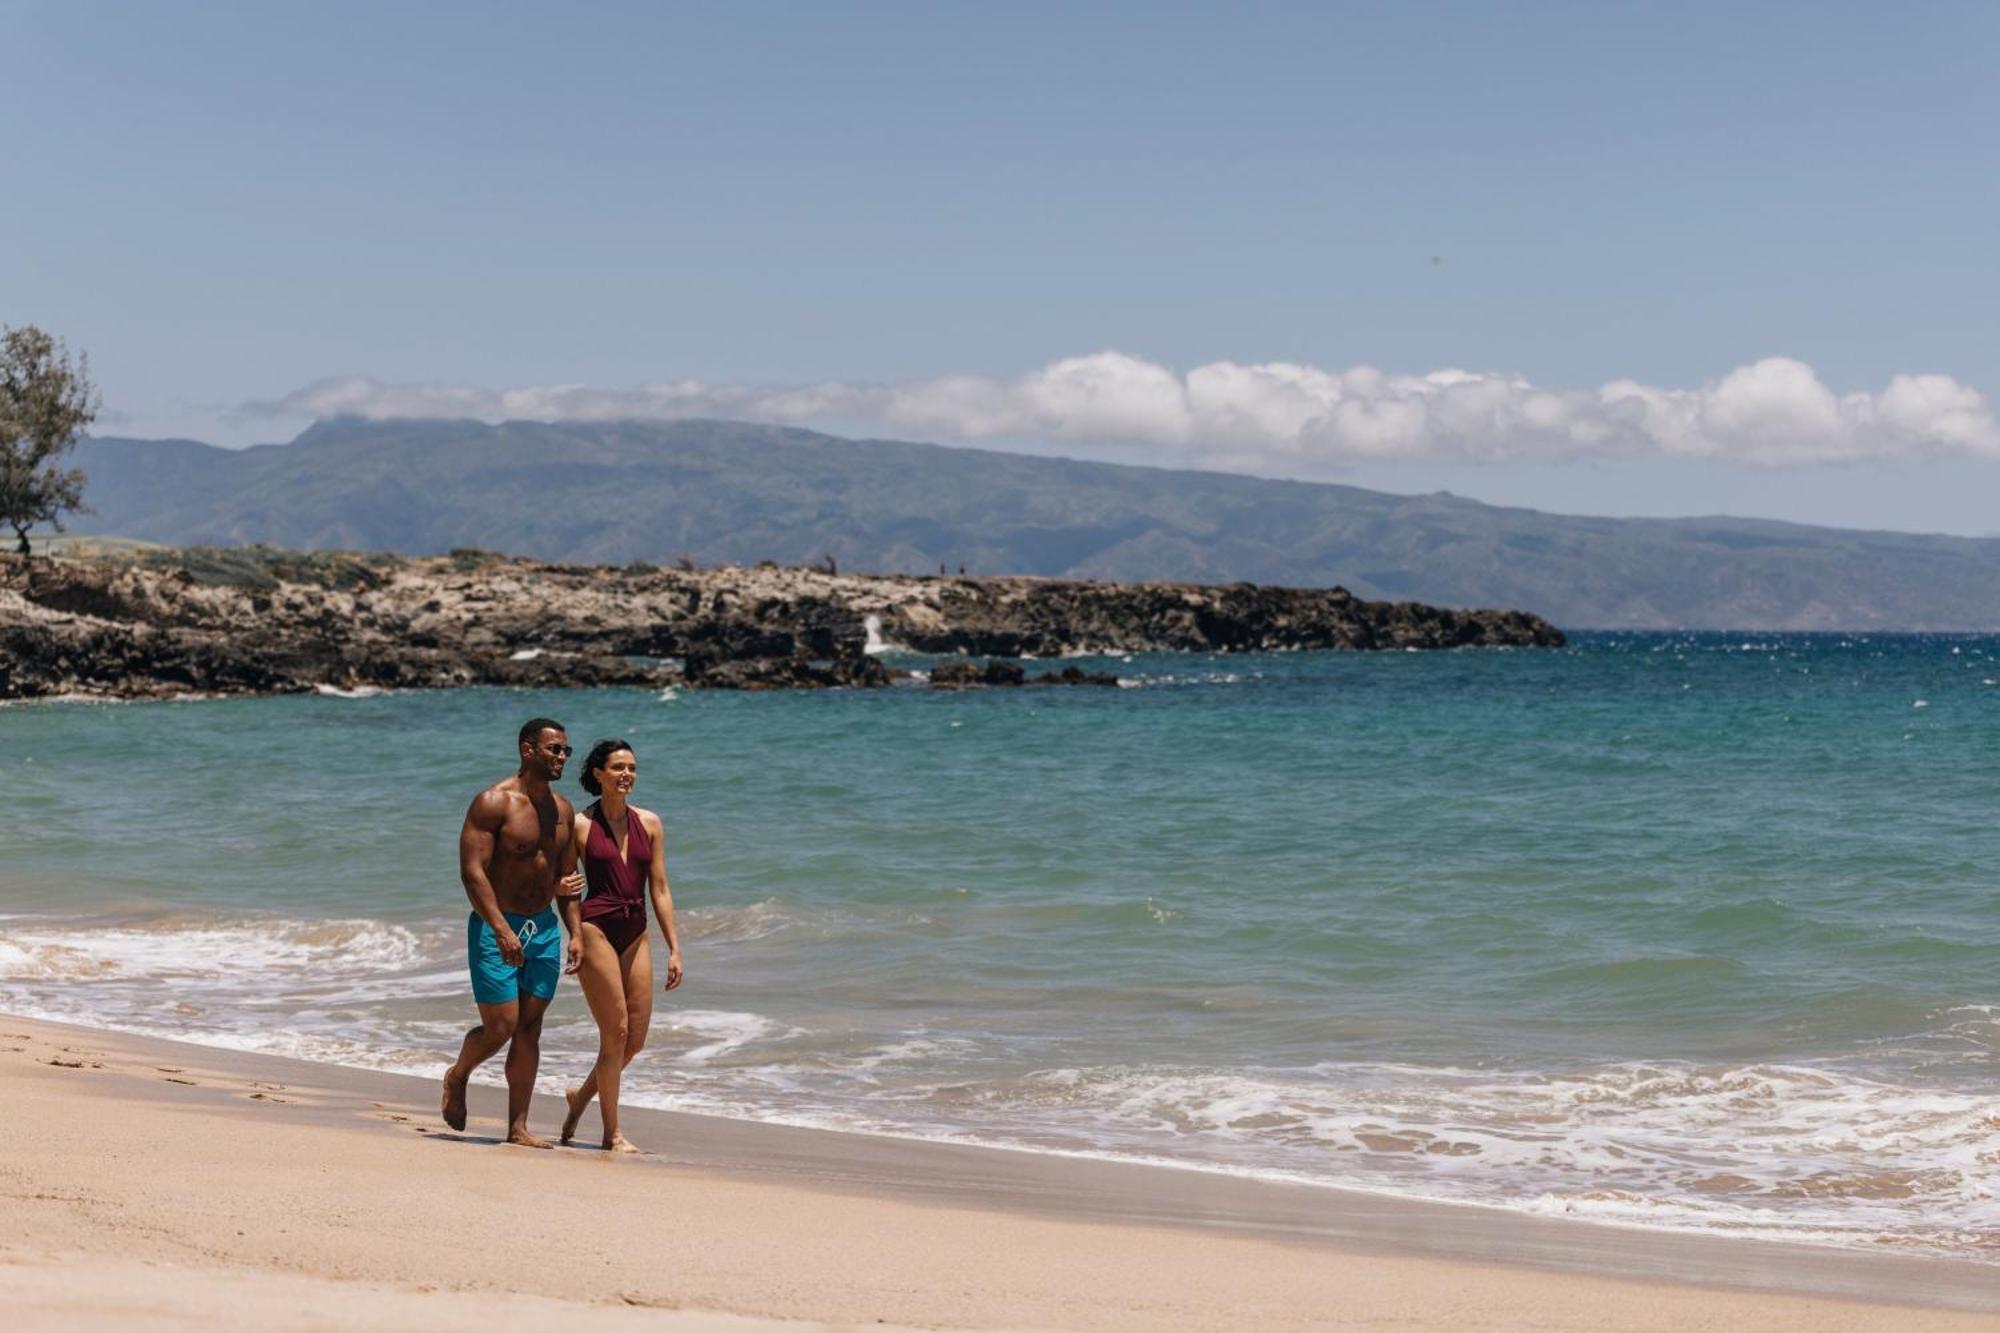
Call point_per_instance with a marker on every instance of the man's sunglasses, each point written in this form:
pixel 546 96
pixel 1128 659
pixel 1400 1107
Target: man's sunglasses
pixel 563 750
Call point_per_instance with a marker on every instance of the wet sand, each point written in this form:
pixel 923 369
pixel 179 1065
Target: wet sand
pixel 152 1184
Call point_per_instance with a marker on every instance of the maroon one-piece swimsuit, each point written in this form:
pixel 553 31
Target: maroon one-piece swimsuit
pixel 615 901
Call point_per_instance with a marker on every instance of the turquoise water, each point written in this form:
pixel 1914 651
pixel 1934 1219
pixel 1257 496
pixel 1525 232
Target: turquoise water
pixel 1689 931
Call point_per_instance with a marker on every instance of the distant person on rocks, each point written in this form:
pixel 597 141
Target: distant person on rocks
pixel 624 855
pixel 514 852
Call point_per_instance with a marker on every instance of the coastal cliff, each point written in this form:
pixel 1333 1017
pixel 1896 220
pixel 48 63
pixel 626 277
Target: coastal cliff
pixel 163 622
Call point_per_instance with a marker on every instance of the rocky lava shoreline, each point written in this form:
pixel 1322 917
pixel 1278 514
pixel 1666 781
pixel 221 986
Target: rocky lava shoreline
pixel 255 620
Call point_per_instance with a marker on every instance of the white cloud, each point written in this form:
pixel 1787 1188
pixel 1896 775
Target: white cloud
pixel 1280 417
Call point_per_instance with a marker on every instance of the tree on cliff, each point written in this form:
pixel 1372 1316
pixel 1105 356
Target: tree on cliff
pixel 46 400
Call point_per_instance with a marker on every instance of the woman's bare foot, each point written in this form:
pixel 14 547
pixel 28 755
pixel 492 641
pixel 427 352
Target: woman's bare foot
pixel 576 1108
pixel 619 1143
pixel 452 1104
pixel 521 1138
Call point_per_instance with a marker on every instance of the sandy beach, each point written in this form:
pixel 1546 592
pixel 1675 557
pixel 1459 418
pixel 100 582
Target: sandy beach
pixel 153 1184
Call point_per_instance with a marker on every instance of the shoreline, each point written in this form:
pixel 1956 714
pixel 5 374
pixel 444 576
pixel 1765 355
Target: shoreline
pixel 1290 1238
pixel 1435 1229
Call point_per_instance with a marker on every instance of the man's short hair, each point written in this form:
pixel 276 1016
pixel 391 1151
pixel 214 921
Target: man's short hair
pixel 535 726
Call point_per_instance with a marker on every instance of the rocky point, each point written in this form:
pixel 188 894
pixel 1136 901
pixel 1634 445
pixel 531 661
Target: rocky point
pixel 245 620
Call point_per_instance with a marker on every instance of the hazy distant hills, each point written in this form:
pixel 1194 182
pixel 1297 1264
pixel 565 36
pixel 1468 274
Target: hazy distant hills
pixel 719 491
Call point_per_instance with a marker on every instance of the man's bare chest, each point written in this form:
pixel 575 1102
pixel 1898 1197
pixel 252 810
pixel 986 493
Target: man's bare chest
pixel 529 831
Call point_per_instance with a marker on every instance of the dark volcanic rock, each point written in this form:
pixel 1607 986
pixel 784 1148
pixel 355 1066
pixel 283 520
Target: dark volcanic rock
pixel 1004 673
pixel 967 675
pixel 255 620
pixel 956 675
pixel 1047 617
pixel 785 673
pixel 1071 675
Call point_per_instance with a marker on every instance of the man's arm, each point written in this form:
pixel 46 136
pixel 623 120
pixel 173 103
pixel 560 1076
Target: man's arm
pixel 663 899
pixel 569 893
pixel 475 849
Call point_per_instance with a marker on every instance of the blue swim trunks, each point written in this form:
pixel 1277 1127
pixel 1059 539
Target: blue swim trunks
pixel 493 982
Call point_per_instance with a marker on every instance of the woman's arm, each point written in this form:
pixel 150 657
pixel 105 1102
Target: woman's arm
pixel 663 897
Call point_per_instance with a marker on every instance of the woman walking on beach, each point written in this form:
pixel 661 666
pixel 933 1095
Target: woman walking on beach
pixel 623 853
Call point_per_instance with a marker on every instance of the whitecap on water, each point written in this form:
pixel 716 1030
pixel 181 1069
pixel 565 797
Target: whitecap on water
pixel 219 951
pixel 717 1031
pixel 913 1051
pixel 1170 678
pixel 755 921
pixel 1770 1151
pixel 738 924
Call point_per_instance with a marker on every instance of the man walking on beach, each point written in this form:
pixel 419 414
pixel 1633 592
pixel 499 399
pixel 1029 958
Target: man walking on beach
pixel 513 848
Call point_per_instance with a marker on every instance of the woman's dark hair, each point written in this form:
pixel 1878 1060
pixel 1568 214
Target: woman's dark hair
pixel 599 755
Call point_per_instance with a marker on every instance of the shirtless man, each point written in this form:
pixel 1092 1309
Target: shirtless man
pixel 513 850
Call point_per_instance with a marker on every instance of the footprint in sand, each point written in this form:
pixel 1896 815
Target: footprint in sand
pixel 168 1069
pixel 268 1097
pixel 61 1063
pixel 187 1081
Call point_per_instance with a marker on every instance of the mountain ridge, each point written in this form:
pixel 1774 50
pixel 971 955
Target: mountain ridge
pixel 714 491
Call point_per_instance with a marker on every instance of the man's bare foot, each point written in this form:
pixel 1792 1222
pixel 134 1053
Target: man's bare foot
pixel 575 1113
pixel 521 1138
pixel 452 1105
pixel 619 1143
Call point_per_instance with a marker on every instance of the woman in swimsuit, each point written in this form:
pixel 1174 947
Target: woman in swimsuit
pixel 623 852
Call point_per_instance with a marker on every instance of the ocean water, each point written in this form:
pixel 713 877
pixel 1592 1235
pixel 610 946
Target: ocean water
pixel 1698 932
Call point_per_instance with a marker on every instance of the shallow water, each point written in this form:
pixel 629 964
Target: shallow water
pixel 1692 931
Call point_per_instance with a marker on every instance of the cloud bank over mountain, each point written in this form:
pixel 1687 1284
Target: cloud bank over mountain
pixel 1278 417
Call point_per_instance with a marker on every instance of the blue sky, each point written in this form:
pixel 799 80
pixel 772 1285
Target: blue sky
pixel 1150 233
